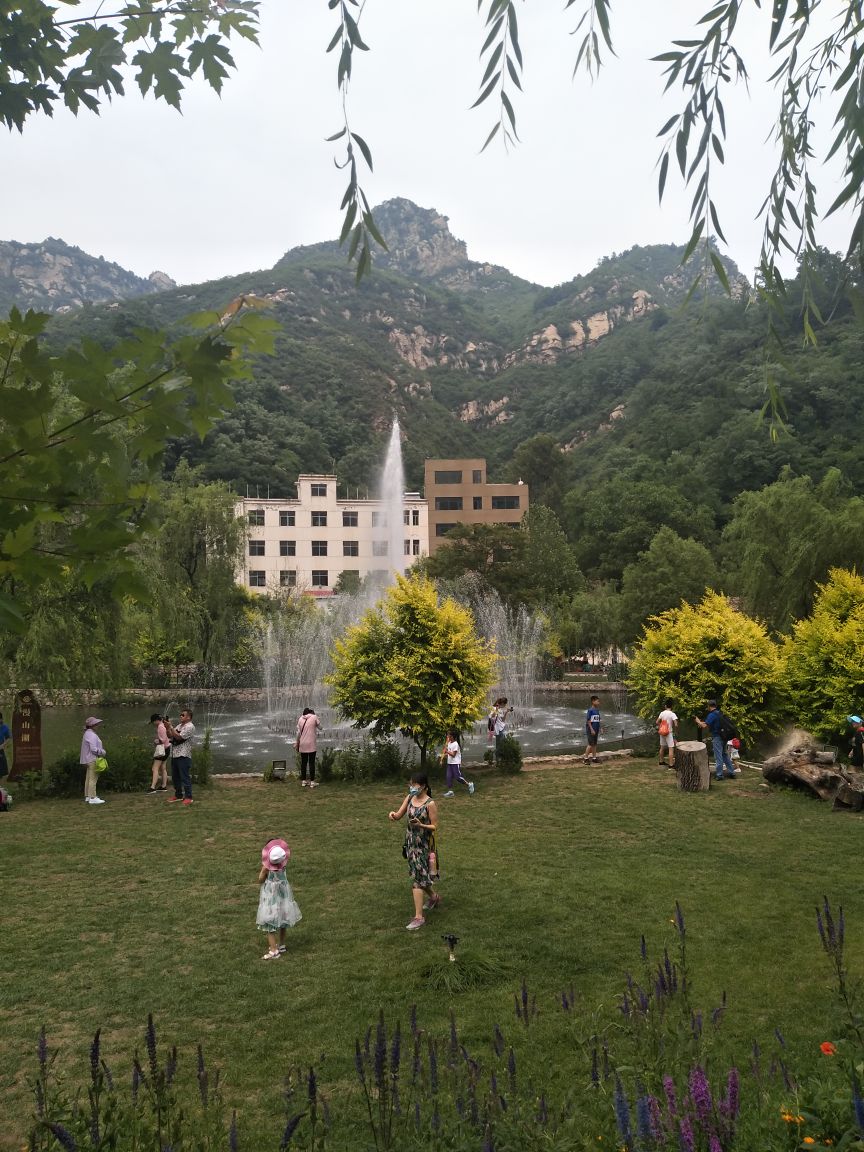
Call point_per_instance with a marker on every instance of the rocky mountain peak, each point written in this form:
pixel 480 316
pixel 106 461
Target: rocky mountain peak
pixel 419 240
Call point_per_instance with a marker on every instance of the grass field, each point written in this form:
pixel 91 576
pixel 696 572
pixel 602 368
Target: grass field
pixel 138 906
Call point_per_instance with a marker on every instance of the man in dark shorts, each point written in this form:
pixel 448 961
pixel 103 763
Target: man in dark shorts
pixel 593 727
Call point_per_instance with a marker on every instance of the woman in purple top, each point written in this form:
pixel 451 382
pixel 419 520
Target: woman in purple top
pixel 91 750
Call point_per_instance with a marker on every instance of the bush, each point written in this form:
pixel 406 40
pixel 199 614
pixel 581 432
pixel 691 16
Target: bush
pixel 508 755
pixel 824 657
pixel 709 651
pixel 371 760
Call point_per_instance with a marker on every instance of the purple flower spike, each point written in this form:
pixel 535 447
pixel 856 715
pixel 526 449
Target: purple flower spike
pixel 700 1093
pixel 498 1042
pixel 511 1069
pixel 857 1104
pixel 733 1093
pixel 643 1119
pixel 685 1135
pixel 380 1050
pixel 714 1144
pixel 622 1113
pixel 150 1037
pixel 542 1112
pixel 671 1099
pixel 63 1138
pixel 94 1057
pixel 595 1072
pixel 232 1133
pixel 312 1087
pixel 395 1051
pixel 679 920
pixel 643 947
pixel 656 1119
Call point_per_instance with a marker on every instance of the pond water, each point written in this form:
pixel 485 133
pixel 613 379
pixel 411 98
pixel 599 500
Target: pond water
pixel 243 742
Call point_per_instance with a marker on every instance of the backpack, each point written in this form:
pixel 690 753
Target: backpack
pixel 728 731
pixel 663 727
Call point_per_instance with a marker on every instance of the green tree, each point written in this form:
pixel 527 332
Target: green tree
pixel 591 622
pixel 784 538
pixel 709 651
pixel 540 462
pixel 548 568
pixel 47 59
pixel 823 659
pixel 672 570
pixel 413 665
pixel 491 552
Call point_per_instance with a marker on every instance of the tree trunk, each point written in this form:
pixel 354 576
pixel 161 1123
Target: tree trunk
pixel 805 768
pixel 691 766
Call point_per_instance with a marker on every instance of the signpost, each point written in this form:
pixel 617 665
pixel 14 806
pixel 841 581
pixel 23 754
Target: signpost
pixel 26 735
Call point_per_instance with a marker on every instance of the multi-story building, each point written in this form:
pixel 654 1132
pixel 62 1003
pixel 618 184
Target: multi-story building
pixel 457 492
pixel 308 542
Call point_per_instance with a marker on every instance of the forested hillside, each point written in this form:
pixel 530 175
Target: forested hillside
pixel 634 417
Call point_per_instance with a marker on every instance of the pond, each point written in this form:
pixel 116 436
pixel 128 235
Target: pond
pixel 242 741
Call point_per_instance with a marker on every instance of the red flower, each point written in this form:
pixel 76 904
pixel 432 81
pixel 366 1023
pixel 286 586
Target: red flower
pixel 828 1048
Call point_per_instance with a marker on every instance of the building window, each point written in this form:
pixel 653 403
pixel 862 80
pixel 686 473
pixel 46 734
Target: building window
pixel 477 476
pixel 286 519
pixel 349 519
pixel 288 579
pixel 406 517
pixel 319 579
pixel 448 477
pixel 415 547
pixel 319 547
pixel 415 517
pixel 448 503
pixel 499 502
pixel 380 548
pixel 443 529
pixel 319 489
pixel 478 503
pixel 256 547
pixel 407 547
pixel 379 519
pixel 256 517
pixel 287 548
pixel 257 579
pixel 350 548
pixel 319 519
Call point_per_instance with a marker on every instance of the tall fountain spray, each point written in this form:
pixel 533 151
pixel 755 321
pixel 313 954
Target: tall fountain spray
pixel 391 495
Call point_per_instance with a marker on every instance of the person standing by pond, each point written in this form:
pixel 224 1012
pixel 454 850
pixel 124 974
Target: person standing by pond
pixel 161 752
pixel 593 728
pixel 181 757
pixel 91 750
pixel 718 725
pixel 420 849
pixel 308 727
pixel 498 718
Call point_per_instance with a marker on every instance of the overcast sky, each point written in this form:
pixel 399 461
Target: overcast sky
pixel 232 183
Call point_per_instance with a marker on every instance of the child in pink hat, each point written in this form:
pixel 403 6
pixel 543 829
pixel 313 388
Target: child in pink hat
pixel 277 908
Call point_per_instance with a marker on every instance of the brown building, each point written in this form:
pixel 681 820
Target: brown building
pixel 457 492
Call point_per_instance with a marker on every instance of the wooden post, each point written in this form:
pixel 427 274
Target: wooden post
pixel 26 736
pixel 691 766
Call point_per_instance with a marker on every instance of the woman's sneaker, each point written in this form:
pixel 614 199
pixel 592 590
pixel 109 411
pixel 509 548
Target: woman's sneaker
pixel 447 795
pixel 470 787
pixel 416 923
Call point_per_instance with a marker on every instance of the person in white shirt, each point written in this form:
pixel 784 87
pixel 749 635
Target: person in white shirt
pixel 667 726
pixel 453 754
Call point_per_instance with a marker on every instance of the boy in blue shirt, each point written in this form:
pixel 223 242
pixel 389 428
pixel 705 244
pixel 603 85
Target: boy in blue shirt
pixel 593 728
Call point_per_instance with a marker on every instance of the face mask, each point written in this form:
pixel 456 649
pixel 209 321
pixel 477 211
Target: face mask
pixel 414 790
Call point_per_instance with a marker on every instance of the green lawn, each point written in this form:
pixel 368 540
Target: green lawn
pixel 110 913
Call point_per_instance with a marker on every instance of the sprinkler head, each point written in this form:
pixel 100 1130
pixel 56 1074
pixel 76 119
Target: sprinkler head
pixel 451 941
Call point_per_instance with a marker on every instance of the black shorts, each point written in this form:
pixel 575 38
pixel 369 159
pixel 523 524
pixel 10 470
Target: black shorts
pixel 592 739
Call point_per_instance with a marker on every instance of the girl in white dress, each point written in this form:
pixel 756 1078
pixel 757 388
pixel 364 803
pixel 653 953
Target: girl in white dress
pixel 277 908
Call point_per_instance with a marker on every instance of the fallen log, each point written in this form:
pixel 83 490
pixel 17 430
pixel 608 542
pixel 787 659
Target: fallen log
pixel 811 771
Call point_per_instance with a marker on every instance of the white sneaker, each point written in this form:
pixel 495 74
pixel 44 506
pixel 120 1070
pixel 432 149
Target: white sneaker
pixel 303 784
pixel 470 787
pixel 447 795
pixel 96 800
pixel 86 799
pixel 313 783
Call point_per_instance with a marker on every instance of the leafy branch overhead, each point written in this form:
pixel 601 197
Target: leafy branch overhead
pixel 358 229
pixel 46 60
pixel 83 434
pixel 503 60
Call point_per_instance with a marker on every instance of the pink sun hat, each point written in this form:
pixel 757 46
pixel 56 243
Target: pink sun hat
pixel 275 855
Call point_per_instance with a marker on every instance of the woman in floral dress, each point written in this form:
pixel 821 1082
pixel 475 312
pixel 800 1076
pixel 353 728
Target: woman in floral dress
pixel 420 848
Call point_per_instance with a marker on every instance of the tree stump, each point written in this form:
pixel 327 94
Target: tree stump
pixel 691 766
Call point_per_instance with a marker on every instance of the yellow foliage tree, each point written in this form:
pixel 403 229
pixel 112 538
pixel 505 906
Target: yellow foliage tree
pixel 413 665
pixel 824 657
pixel 709 651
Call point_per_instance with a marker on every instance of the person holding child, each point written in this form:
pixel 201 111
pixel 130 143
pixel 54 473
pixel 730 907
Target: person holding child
pixel 420 849
pixel 452 754
pixel 277 908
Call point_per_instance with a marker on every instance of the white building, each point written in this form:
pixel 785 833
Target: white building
pixel 309 542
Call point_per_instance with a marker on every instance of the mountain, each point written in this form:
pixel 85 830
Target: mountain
pixel 55 277
pixel 625 409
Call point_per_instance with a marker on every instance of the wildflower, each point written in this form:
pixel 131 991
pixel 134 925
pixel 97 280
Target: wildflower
pixel 622 1113
pixel 151 1047
pixel 827 1048
pixel 395 1051
pixel 232 1133
pixel 669 1089
pixel 63 1138
pixel 700 1093
pixel 808 1140
pixel 94 1057
pixel 290 1129
pixel 380 1050
pixel 686 1133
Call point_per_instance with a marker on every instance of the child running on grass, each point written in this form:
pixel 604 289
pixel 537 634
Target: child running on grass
pixel 420 849
pixel 452 753
pixel 277 908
